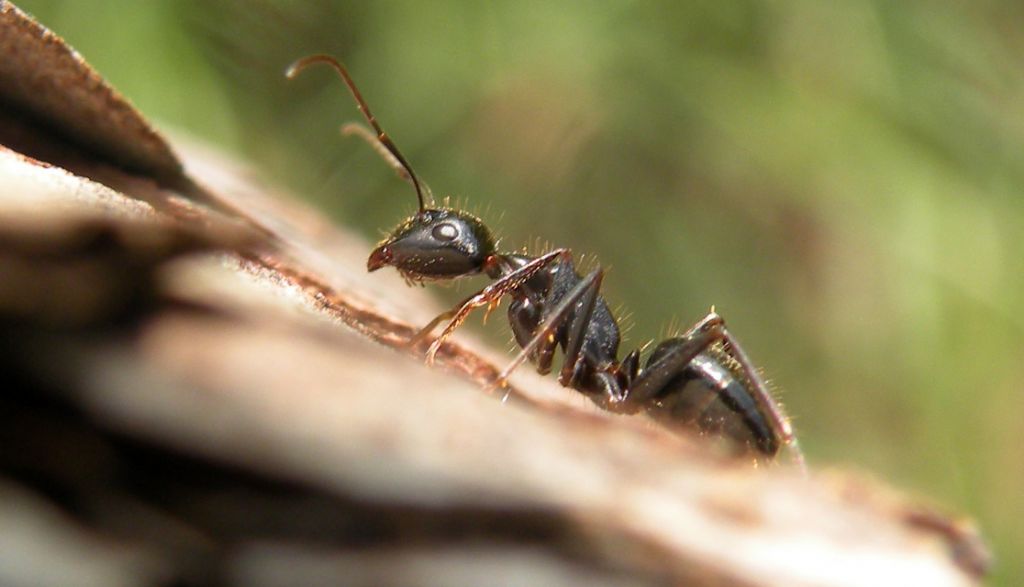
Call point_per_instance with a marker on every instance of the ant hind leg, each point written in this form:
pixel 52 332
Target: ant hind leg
pixel 697 339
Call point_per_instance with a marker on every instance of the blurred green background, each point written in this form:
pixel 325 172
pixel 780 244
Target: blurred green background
pixel 842 180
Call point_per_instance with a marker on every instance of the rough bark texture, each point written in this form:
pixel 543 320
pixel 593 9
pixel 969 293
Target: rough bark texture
pixel 202 386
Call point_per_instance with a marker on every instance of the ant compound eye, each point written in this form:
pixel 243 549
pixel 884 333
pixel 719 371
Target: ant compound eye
pixel 445 232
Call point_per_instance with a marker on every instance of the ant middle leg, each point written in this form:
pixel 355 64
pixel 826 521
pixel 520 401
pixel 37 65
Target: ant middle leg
pixel 544 339
pixel 582 299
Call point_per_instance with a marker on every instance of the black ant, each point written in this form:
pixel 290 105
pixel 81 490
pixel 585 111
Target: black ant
pixel 553 306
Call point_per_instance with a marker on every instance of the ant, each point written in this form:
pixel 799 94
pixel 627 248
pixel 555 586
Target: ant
pixel 553 306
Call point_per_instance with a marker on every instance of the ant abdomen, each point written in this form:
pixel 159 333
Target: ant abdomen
pixel 712 395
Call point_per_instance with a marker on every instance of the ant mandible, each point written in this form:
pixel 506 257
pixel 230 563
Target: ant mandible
pixel 553 306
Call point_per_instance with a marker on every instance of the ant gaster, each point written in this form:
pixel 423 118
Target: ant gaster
pixel 553 306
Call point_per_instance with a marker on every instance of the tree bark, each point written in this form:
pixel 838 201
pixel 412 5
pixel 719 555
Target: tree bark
pixel 203 386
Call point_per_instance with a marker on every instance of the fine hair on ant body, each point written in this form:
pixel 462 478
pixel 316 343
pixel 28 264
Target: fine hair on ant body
pixel 553 306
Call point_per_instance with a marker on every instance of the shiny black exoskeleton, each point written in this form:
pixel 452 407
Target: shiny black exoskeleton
pixel 701 377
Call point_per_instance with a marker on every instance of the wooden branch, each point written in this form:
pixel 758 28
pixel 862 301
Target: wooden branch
pixel 205 387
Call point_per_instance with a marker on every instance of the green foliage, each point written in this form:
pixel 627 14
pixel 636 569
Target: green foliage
pixel 841 179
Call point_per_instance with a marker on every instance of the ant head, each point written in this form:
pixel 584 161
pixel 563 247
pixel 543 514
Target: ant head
pixel 433 243
pixel 436 244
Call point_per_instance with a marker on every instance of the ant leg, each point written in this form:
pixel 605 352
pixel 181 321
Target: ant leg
pixel 700 336
pixel 612 391
pixel 707 331
pixel 780 423
pixel 585 290
pixel 424 332
pixel 488 296
pixel 578 328
pixel 583 297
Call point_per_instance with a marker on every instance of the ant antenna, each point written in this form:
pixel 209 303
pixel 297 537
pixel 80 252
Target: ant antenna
pixel 294 69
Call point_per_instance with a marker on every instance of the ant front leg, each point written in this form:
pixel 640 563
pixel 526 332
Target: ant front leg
pixel 488 296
